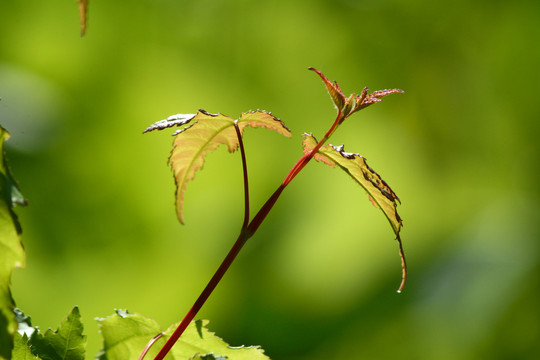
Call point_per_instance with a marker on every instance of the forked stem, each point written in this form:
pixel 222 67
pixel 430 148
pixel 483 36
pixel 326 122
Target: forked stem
pixel 248 230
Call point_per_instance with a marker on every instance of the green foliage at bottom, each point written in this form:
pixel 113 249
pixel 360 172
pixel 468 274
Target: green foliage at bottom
pixel 199 343
pixel 21 349
pixel 65 343
pixel 125 336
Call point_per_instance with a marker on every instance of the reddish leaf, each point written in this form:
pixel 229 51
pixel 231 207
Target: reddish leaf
pixel 333 89
pixel 350 105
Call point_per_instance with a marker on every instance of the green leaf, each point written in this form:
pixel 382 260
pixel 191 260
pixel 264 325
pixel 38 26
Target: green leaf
pixel 380 194
pixel 126 335
pixel 21 348
pixel 198 341
pixel 11 249
pixel 66 343
pixel 204 134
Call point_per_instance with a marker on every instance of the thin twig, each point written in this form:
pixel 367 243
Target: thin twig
pixel 149 345
pixel 244 168
pixel 247 231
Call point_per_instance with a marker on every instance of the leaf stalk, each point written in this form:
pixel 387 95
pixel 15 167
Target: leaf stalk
pixel 300 164
pixel 244 170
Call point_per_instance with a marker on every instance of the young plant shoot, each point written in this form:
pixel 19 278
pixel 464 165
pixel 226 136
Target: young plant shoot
pixel 204 132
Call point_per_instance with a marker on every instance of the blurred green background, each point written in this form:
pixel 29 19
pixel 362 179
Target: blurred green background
pixel 318 280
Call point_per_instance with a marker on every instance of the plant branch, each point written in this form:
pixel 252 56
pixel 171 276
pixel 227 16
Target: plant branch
pixel 307 157
pixel 244 169
pixel 403 265
pixel 247 232
pixel 242 238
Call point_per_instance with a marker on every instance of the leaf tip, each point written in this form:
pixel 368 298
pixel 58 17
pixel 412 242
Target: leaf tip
pixel 403 266
pixel 173 120
pixel 333 89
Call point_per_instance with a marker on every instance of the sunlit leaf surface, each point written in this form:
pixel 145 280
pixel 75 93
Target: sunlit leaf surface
pixel 380 194
pixel 21 348
pixel 125 336
pixel 204 133
pixel 11 249
pixel 65 343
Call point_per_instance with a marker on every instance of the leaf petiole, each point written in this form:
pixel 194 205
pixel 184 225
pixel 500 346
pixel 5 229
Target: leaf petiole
pixel 244 169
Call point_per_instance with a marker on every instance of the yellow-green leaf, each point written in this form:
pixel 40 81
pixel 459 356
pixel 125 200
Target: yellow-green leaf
pixel 263 119
pixel 198 342
pixel 125 336
pixel 21 348
pixel 11 248
pixel 380 194
pixel 204 134
pixel 355 165
pixel 65 343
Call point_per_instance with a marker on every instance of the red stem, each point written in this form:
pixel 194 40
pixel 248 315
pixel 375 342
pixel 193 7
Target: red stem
pixel 244 169
pixel 242 238
pixel 307 157
pixel 245 234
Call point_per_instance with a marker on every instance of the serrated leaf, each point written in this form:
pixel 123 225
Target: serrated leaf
pixel 11 249
pixel 126 335
pixel 380 194
pixel 334 90
pixel 21 348
pixel 261 118
pixel 348 106
pixel 205 134
pixel 364 100
pixel 197 340
pixel 65 343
